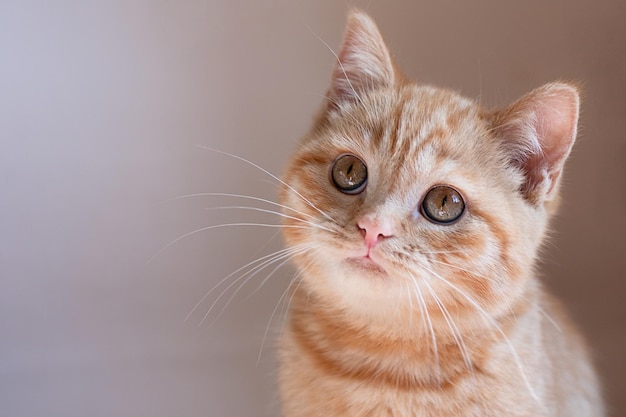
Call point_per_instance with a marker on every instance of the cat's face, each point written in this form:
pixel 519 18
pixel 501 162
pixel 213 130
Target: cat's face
pixel 414 197
pixel 414 193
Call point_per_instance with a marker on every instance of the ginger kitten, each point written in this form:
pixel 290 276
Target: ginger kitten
pixel 419 215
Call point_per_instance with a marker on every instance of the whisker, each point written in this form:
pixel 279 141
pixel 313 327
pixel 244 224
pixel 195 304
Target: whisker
pixel 460 269
pixel 267 243
pixel 426 314
pixel 456 334
pixel 551 320
pixel 305 249
pixel 271 175
pixel 206 295
pixel 411 308
pixel 296 278
pixel 269 322
pixel 443 252
pixel 287 257
pixel 486 278
pixel 249 275
pixel 217 226
pixel 489 320
pixel 248 197
pixel 303 270
pixel 262 210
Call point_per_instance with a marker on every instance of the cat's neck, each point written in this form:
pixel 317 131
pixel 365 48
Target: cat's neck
pixel 415 351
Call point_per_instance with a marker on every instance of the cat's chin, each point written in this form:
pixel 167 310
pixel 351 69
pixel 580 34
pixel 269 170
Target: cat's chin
pixel 366 264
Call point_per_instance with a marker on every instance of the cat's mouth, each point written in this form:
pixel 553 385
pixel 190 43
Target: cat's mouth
pixel 366 263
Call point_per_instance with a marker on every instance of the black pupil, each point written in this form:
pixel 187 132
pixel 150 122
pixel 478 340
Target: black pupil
pixel 443 204
pixel 349 174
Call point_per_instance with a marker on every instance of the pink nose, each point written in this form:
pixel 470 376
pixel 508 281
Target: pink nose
pixel 374 230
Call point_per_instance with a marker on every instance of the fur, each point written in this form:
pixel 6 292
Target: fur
pixel 427 319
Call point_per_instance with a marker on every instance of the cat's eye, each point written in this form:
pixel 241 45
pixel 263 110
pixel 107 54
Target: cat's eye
pixel 443 204
pixel 349 174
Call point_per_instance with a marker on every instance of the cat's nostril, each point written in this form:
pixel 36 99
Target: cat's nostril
pixel 374 231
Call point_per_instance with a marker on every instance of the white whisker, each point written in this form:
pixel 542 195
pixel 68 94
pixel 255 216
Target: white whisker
pixel 271 175
pixel 287 257
pixel 261 259
pixel 460 268
pixel 285 310
pixel 247 276
pixel 296 278
pixel 551 320
pixel 262 210
pixel 217 226
pixel 411 308
pixel 426 314
pixel 249 197
pixel 269 322
pixel 456 334
pixel 444 252
pixel 490 321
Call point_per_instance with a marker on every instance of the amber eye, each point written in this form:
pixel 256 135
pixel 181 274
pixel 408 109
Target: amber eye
pixel 443 204
pixel 349 174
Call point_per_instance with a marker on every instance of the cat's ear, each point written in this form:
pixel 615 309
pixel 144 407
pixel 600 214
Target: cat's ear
pixel 538 132
pixel 363 62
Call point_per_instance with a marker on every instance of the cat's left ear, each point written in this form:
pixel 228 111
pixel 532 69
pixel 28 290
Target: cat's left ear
pixel 538 132
pixel 363 62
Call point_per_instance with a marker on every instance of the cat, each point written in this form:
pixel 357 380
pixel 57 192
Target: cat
pixel 415 217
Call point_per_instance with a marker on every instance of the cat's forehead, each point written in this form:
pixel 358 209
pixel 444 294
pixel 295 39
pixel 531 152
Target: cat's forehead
pixel 410 138
pixel 411 123
pixel 412 114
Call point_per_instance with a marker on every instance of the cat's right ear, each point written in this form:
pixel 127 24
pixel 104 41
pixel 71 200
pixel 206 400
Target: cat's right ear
pixel 363 63
pixel 537 132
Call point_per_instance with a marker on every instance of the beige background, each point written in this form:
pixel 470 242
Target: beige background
pixel 101 106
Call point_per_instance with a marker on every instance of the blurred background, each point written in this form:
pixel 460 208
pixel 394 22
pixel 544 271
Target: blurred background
pixel 102 106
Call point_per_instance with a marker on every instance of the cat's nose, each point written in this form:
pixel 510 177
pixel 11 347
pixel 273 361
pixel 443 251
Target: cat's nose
pixel 374 230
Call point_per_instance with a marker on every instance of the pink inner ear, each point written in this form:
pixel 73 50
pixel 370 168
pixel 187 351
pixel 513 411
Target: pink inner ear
pixel 557 118
pixel 539 130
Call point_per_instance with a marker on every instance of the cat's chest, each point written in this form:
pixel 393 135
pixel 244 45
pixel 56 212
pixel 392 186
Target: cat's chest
pixel 474 398
pixel 314 384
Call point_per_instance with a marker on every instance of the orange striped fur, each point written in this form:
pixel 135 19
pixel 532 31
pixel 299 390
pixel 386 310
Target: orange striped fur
pixel 433 319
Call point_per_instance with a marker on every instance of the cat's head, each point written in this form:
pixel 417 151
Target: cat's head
pixel 409 195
